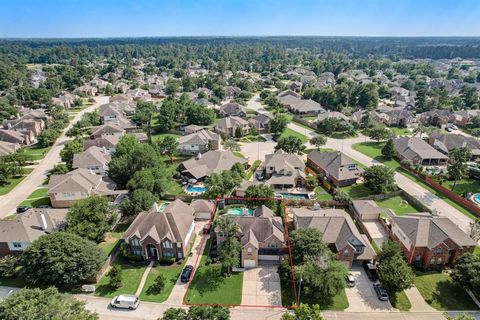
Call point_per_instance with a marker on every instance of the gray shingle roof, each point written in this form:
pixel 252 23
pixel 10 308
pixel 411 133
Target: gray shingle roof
pixel 335 164
pixel 210 162
pixel 411 148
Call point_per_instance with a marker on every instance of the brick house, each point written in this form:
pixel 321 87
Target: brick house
pixel 430 242
pixel 338 230
pixel 336 167
pixel 162 232
pixel 261 237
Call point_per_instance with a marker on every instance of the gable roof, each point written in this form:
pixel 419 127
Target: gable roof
pixel 231 122
pixel 173 223
pixel 201 137
pixel 93 156
pixel 212 161
pixel 281 160
pixel 107 128
pixel 446 142
pixel 335 164
pixel 428 231
pixel 411 148
pixel 232 109
pixel 80 180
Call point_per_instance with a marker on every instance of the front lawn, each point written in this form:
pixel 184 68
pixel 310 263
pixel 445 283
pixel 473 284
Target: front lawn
pixel 171 274
pixel 441 293
pixel 131 275
pixel 12 183
pixel 292 133
pixel 398 205
pixel 400 301
pixel 339 302
pixel 374 151
pixel 210 286
pixel 36 153
pixel 37 198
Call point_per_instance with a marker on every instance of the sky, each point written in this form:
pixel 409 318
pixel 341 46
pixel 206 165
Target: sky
pixel 156 18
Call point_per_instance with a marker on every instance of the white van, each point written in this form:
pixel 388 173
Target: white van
pixel 125 301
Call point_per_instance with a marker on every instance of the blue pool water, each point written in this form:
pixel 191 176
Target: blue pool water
pixel 477 198
pixel 295 196
pixel 196 189
pixel 240 211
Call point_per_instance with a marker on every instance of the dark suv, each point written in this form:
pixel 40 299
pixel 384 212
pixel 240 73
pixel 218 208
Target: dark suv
pixel 371 270
pixel 186 274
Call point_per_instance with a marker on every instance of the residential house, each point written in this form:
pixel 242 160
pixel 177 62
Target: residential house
pixel 65 100
pixel 261 122
pixel 229 126
pixel 332 115
pixel 464 117
pixel 65 189
pixel 107 143
pixel 18 234
pixel 94 159
pixel 11 136
pixel 213 161
pixel 163 232
pixel 115 112
pixel 261 237
pixel 300 106
pixel 437 117
pixel 233 109
pixel 339 232
pixel 400 117
pixel 365 210
pixel 284 170
pixel 204 209
pixel 199 142
pixel 336 167
pixel 430 241
pixel 7 148
pixel 87 90
pixel 107 129
pixel 446 142
pixel 192 128
pixel 418 152
pixel 139 94
pixel 121 98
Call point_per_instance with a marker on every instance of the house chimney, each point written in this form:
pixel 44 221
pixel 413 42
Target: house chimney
pixel 43 221
pixel 155 207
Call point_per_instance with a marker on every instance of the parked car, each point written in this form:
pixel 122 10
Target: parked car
pixel 21 209
pixel 259 175
pixel 125 301
pixel 381 292
pixel 88 288
pixel 371 270
pixel 186 273
pixel 350 280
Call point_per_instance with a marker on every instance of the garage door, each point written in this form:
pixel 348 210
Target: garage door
pixel 249 263
pixel 268 257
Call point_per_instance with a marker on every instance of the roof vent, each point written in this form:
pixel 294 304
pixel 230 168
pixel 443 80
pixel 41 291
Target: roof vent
pixel 155 207
pixel 43 221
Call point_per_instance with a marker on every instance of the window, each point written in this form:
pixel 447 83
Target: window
pixel 346 253
pixel 180 255
pixel 417 258
pixel 273 244
pixel 179 244
pixel 17 244
pixel 249 250
pixel 167 244
pixel 439 251
pixel 439 261
pixel 168 254
pixel 432 261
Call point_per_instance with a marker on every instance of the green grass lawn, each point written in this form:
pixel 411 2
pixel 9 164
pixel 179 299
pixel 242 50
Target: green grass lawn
pixel 112 238
pixel 400 301
pixel 477 251
pixel 339 302
pixel 173 187
pixel 400 131
pixel 357 191
pixel 322 194
pixel 159 136
pixel 441 293
pixel 37 198
pixel 131 275
pixel 37 153
pixel 252 138
pixel 464 185
pixel 291 133
pixel 374 150
pixel 252 169
pixel 210 286
pixel 309 118
pixel 4 189
pixel 171 274
pixel 397 205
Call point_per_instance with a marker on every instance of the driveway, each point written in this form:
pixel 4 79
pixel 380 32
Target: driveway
pixel 377 231
pixel 11 200
pixel 261 286
pixel 257 150
pixel 362 297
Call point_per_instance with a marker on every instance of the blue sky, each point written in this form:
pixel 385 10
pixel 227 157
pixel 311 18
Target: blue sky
pixel 120 18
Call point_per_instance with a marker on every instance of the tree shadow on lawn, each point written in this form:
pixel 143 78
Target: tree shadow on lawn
pixel 451 296
pixel 208 280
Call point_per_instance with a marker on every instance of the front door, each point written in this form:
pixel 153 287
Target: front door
pixel 152 252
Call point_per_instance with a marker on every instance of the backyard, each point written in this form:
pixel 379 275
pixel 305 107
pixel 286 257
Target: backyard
pixel 112 238
pixel 210 286
pixel 357 191
pixel 322 194
pixel 398 205
pixel 441 293
pixel 463 186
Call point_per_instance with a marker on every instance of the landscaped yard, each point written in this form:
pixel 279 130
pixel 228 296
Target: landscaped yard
pixel 357 191
pixel 322 194
pixel 173 186
pixel 398 205
pixel 440 292
pixel 339 301
pixel 112 238
pixel 291 133
pixel 171 274
pixel 131 275
pixel 37 198
pixel 374 150
pixel 210 286
pixel 159 136
pixel 13 182
pixel 252 138
pixel 400 131
pixel 36 153
pixel 463 186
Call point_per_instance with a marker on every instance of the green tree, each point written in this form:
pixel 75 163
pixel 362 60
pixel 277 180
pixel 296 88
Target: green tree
pixel 318 141
pixel 158 284
pixel 290 144
pixel 44 304
pixel 379 132
pixel 197 313
pixel 278 124
pixel 137 201
pixel 200 115
pixel 229 254
pixel 8 265
pixel 466 272
pixel 115 277
pixel 306 243
pixel 69 150
pixel 311 182
pixel 47 138
pixel 379 179
pixel 168 146
pixel 391 258
pixel 62 259
pixel 91 218
pixel 220 184
pixel 457 164
pixel 304 312
pixel 388 150
pixel 260 194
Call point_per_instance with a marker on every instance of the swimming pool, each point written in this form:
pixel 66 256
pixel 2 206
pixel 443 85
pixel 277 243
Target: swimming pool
pixel 193 189
pixel 476 198
pixel 240 212
pixel 163 206
pixel 295 196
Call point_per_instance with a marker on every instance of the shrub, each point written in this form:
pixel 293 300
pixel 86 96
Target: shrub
pixel 158 285
pixel 8 265
pixel 167 260
pixel 115 275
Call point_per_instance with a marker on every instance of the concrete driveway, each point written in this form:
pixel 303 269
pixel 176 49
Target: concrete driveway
pixel 261 286
pixel 377 231
pixel 257 150
pixel 362 297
